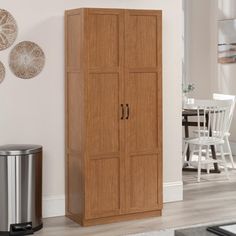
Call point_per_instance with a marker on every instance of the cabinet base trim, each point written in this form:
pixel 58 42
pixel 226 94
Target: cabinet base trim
pixel 112 219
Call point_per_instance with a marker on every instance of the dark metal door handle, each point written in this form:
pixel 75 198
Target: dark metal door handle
pixel 122 112
pixel 128 111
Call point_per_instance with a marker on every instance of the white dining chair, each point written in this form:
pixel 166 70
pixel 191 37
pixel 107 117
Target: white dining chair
pixel 209 118
pixel 232 98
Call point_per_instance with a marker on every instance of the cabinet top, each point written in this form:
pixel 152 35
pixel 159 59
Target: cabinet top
pixel 79 10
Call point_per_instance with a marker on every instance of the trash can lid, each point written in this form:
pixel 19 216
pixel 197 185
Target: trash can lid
pixel 19 149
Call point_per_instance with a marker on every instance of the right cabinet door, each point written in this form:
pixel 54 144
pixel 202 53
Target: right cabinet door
pixel 143 129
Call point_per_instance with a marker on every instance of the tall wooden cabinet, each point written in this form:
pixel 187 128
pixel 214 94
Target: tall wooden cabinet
pixel 113 114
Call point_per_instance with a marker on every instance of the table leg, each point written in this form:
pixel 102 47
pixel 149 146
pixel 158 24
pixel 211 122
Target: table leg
pixel 186 130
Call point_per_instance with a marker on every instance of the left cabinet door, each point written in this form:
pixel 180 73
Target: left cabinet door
pixel 104 33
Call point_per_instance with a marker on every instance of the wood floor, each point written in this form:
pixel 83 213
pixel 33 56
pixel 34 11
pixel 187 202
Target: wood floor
pixel 213 200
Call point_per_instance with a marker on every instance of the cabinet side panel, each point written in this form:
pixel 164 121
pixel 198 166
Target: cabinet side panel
pixel 74 115
pixel 74 41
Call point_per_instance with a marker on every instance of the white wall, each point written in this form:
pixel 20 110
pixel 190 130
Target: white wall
pixel 225 82
pixel 200 50
pixel 32 111
pixel 203 68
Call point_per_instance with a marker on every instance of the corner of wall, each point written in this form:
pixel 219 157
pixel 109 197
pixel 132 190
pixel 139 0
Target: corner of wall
pixel 173 191
pixel 53 205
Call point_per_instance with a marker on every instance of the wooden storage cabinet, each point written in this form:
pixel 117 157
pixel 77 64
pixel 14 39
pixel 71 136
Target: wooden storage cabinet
pixel 113 114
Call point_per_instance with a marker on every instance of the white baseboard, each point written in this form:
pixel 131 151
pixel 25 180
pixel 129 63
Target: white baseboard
pixel 233 148
pixel 53 205
pixel 173 191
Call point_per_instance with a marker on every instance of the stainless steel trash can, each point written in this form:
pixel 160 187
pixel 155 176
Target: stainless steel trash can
pixel 20 189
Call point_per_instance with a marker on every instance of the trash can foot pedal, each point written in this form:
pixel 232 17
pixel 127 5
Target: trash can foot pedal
pixel 21 229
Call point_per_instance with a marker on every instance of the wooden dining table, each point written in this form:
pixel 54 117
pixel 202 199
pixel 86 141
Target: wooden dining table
pixel 190 110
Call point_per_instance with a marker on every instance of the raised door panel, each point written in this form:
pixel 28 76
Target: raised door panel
pixel 103 114
pixel 142 125
pixel 104 38
pixel 103 195
pixel 142 182
pixel 141 39
pixel 143 128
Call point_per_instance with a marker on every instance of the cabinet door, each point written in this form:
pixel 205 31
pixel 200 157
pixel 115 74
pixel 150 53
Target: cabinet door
pixel 104 39
pixel 143 126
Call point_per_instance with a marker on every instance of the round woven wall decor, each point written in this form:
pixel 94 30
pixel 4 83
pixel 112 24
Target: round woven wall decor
pixel 8 29
pixel 2 72
pixel 26 60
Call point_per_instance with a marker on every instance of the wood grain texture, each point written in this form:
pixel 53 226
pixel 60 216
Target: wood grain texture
pixel 123 217
pixel 103 116
pixel 103 27
pixel 141 39
pixel 75 120
pixel 142 187
pixel 103 187
pixel 74 43
pixel 144 127
pixel 104 75
pixel 113 58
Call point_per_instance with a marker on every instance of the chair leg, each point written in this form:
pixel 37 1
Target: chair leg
pixel 191 154
pixel 230 152
pixel 207 158
pixel 185 152
pixel 199 164
pixel 224 161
